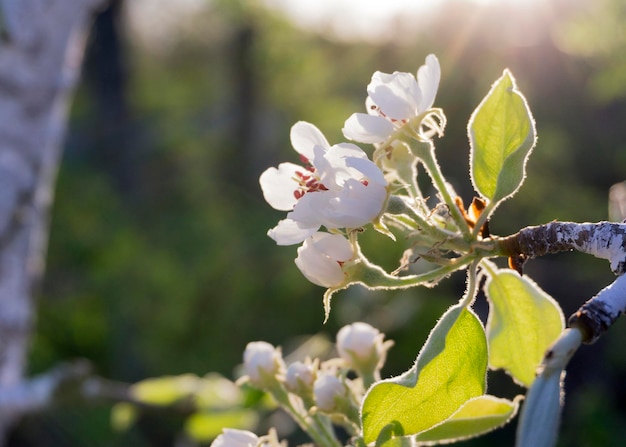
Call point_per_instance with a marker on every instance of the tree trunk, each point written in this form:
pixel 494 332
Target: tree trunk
pixel 40 58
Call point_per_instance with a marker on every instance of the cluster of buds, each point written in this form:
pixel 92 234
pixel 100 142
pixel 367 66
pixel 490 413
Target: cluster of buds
pixel 317 394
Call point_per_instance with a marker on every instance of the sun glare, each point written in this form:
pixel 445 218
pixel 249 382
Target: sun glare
pixel 365 19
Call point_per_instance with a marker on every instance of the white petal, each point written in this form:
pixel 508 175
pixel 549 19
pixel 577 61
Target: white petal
pixel 235 438
pixel 428 77
pixel 289 232
pixel 347 150
pixel 368 169
pixel 371 107
pixel 367 128
pixel 278 186
pixel 318 258
pixel 310 209
pixel 397 94
pixel 333 245
pixel 357 205
pixel 332 168
pixel 305 136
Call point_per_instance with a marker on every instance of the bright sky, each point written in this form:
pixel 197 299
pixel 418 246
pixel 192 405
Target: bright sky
pixel 365 19
pixel 346 19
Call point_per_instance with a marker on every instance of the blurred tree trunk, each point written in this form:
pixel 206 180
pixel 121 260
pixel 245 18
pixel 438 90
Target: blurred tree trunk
pixel 113 129
pixel 40 58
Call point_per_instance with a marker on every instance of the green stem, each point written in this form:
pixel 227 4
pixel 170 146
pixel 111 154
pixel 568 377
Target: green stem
pixel 432 234
pixel 325 428
pixel 438 233
pixel 429 160
pixel 472 283
pixel 374 277
pixel 320 430
pixel 369 378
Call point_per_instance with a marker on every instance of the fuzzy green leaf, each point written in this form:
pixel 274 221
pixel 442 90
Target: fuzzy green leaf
pixel 502 134
pixel 449 370
pixel 476 417
pixel 523 322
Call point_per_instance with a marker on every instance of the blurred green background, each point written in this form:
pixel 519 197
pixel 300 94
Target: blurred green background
pixel 159 261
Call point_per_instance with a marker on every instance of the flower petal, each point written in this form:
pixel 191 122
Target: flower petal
pixel 305 136
pixel 289 231
pixel 368 170
pixel 428 77
pixel 331 165
pixel 278 186
pixel 319 256
pixel 355 206
pixel 235 438
pixel 367 128
pixel 397 94
pixel 333 245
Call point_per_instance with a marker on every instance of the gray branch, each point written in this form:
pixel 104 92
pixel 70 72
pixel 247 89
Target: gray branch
pixel 606 240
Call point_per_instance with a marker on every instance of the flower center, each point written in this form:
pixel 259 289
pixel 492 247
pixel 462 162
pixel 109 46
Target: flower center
pixel 307 181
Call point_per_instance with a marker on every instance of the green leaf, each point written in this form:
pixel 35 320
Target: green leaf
pixel 477 416
pixel 392 436
pixel 214 391
pixel 208 425
pixel 397 442
pixel 164 390
pixel 450 370
pixel 123 416
pixel 502 134
pixel 523 322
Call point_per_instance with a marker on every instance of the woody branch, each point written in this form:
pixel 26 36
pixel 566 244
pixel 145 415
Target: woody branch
pixel 606 240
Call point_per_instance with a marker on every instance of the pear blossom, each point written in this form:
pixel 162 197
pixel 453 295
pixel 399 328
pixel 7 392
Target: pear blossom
pixel 361 346
pixel 320 258
pixel 338 187
pixel 330 393
pixel 393 101
pixel 300 378
pixel 231 437
pixel 263 364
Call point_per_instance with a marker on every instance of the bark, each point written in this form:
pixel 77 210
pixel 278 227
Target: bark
pixel 605 240
pixel 40 58
pixel 598 314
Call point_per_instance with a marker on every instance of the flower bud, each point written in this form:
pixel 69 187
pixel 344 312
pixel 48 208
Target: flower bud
pixel 300 378
pixel 236 438
pixel 331 394
pixel 320 257
pixel 361 346
pixel 263 364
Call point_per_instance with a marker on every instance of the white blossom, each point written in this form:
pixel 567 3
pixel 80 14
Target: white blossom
pixel 300 378
pixel 263 364
pixel 339 187
pixel 361 346
pixel 330 393
pixel 320 258
pixel 231 437
pixel 393 101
